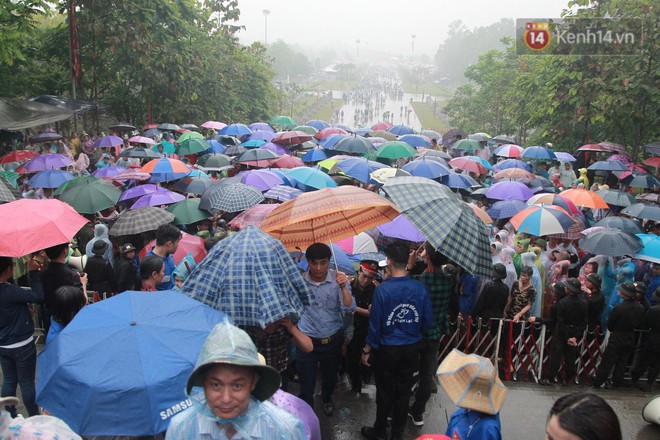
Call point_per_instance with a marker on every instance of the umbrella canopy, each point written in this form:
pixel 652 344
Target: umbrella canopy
pixel 327 215
pixel 503 139
pixel 306 129
pixel 431 134
pixel 624 223
pixel 110 172
pixel 253 143
pixel 635 180
pixel 426 153
pixel 29 225
pixel 252 278
pixel 168 127
pixel 192 146
pixel 258 154
pixel 322 134
pixel 506 208
pixel 359 168
pixel 275 148
pixel 512 163
pixel 468 163
pixel 252 216
pixel 592 147
pixel 402 229
pixel 383 134
pixel 315 155
pixel 513 174
pixel 214 161
pixel 46 136
pixel 481 213
pixel 50 161
pixel 18 156
pixel 585 199
pixel 381 126
pixel 644 211
pixel 448 224
pixel 611 146
pixel 481 137
pixel 138 152
pixel 416 140
pixel 108 142
pixel 282 193
pixel 509 190
pixel 236 130
pixel 50 178
pixel 310 179
pixel 285 122
pixel 8 192
pixel 216 147
pixel 383 174
pixel 261 126
pixel 318 124
pixel 234 150
pixel 122 126
pixel 158 199
pixel 189 135
pixel 400 130
pixel 262 135
pixel 165 165
pixel 611 242
pixel 467 144
pixel 263 180
pixel 541 153
pixel 188 245
pixel 294 137
pixel 426 168
pixel 652 161
pixel 608 165
pixel 616 197
pixel 234 197
pixel 651 250
pixel 565 157
pixel 140 190
pixel 395 150
pixel 542 220
pixel 193 185
pixel 354 145
pixel 188 211
pixel 168 148
pixel 138 350
pixel 91 196
pixel 358 244
pixel 332 140
pixel 136 221
pixel 508 150
pixel 648 198
pixel 215 125
pixel 554 199
pixel 287 161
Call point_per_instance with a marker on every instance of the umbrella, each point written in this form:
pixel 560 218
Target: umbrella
pixel 402 229
pixel 254 215
pixel 315 155
pixel 135 368
pixel 644 211
pixel 354 145
pixel 458 181
pixel 188 135
pixel 447 223
pixel 574 231
pixel 542 220
pixel 285 122
pixel 138 152
pixel 621 158
pixel 651 250
pixel 509 190
pixel 332 140
pixel 122 126
pixel 18 156
pixel 140 190
pixel 431 134
pixel 8 192
pixel 585 199
pixel 234 197
pixel 468 163
pixel 216 147
pixel 91 196
pixel 608 165
pixel 611 242
pixel 110 172
pixel 236 130
pixel 131 174
pixel 565 157
pixel 152 133
pixel 253 143
pixel 263 180
pixel 611 146
pixel 187 211
pixel 513 174
pixel 227 140
pixel 29 225
pixel 234 150
pixel 193 146
pixel 50 178
pixel 467 144
pixel 358 244
pixel 60 189
pixel 157 199
pixel 652 161
pixel 50 161
pixel 592 147
pixel 46 136
pixel 258 154
pixel 327 215
pixel 648 197
pixel 512 163
pixel 426 168
pixel 282 193
pixel 260 126
pixel 395 150
pixel 381 126
pixel 136 221
pixel 426 153
pixel 554 199
pixel 318 124
pixel 508 150
pixel 193 185
pixel 506 208
pixel 189 244
pixel 635 180
pixel 359 168
pixel 481 213
pixel 275 148
pixel 310 179
pixel 292 138
pixel 214 161
pixel 322 134
pixel 383 174
pixel 632 169
pixel 141 140
pixel 168 147
pixel 215 125
pixel 624 223
pixel 252 278
pixel 262 135
pixel 541 153
pixel 480 137
pixel 165 165
pixel 339 260
pixel 306 129
pixel 503 139
pixel 287 161
pixel 616 197
pixel 168 127
pixel 400 130
pixel 108 142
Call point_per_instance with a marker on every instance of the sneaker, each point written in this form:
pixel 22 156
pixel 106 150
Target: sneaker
pixel 371 433
pixel 328 408
pixel 417 420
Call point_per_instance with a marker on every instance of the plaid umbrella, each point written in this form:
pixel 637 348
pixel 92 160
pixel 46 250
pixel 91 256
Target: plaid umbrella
pixel 328 214
pixel 282 193
pixel 235 197
pixel 506 208
pixel 252 216
pixel 624 223
pixel 8 193
pixel 644 211
pixel 450 227
pixel 136 221
pixel 611 242
pixel 616 197
pixel 252 278
pixel 648 198
pixel 574 231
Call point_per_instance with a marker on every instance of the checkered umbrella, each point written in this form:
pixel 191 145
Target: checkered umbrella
pixel 8 193
pixel 449 226
pixel 506 208
pixel 624 223
pixel 250 277
pixel 643 211
pixel 136 221
pixel 574 231
pixel 282 193
pixel 611 242
pixel 235 197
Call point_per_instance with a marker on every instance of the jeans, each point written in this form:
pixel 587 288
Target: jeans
pixel 329 355
pixel 428 364
pixel 18 368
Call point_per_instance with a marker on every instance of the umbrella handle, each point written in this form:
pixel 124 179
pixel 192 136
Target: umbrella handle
pixel 333 255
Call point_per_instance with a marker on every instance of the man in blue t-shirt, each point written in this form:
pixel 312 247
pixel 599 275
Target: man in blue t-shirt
pixel 168 237
pixel 400 312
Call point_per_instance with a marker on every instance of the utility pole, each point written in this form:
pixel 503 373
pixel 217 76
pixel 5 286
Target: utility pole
pixel 412 50
pixel 357 48
pixel 266 14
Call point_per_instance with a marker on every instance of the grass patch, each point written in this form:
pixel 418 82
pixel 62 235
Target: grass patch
pixel 332 84
pixel 429 122
pixel 428 87
pixel 327 111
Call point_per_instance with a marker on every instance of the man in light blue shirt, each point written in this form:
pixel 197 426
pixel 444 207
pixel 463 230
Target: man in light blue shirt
pixel 323 323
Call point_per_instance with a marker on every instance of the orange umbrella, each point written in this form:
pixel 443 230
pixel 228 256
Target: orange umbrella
pixel 483 215
pixel 326 215
pixel 585 199
pixel 165 165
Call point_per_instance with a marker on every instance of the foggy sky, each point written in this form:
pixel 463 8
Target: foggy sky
pixel 380 25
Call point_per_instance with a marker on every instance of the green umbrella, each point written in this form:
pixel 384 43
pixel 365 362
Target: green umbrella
pixel 91 196
pixel 73 182
pixel 467 144
pixel 192 146
pixel 187 212
pixel 306 129
pixel 190 135
pixel 214 161
pixel 395 150
pixel 284 121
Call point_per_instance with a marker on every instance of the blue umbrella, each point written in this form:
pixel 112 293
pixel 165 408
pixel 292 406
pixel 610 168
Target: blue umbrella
pixel 456 181
pixel 315 155
pixel 261 126
pixel 651 250
pixel 416 140
pixel 506 208
pixel 198 173
pixel 50 178
pixel 359 168
pixel 363 131
pixel 288 181
pixel 253 143
pixel 216 147
pixel 538 153
pixel 237 130
pixel 401 130
pixel 126 360
pixel 318 124
pixel 282 193
pixel 565 157
pixel 262 135
pixel 512 163
pixel 309 179
pixel 331 140
pixel 426 168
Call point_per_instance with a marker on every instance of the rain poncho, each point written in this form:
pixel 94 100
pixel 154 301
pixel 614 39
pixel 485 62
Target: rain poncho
pixel 34 428
pixel 517 261
pixel 507 260
pixel 496 252
pixel 101 233
pixel 539 263
pixel 529 259
pixel 625 273
pixel 567 175
pixel 583 178
pixel 183 269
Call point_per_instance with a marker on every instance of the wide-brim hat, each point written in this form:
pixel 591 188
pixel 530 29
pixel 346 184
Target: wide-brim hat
pixel 628 289
pixel 99 247
pixel 641 287
pixel 595 279
pixel 228 344
pixel 573 284
pixel 127 248
pixel 471 382
pixel 499 271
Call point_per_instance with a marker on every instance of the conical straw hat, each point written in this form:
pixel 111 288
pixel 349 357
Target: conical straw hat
pixel 471 382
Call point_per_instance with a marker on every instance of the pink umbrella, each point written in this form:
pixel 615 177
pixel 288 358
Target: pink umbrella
pixel 188 244
pixel 358 244
pixel 468 164
pixel 620 157
pixel 328 131
pixel 214 125
pixel 381 126
pixel 288 161
pixel 132 174
pixel 141 140
pixel 611 146
pixel 632 167
pixel 252 216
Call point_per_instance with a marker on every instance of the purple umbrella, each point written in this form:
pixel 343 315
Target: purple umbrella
pixel 140 190
pixel 401 228
pixel 262 135
pixel 275 148
pixel 300 409
pixel 108 171
pixel 565 157
pixel 509 190
pixel 260 126
pixel 108 141
pixel 263 180
pixel 282 193
pixel 50 161
pixel 158 198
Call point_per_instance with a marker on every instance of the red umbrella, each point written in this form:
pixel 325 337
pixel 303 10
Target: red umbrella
pixel 467 164
pixel 188 243
pixel 592 147
pixel 292 138
pixel 632 167
pixel 652 161
pixel 287 161
pixel 18 156
pixel 252 216
pixel 611 146
pixel 29 225
pixel 328 131
pixel 381 126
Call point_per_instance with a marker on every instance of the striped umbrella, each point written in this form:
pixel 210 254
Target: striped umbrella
pixel 554 199
pixel 509 150
pixel 542 220
pixel 282 193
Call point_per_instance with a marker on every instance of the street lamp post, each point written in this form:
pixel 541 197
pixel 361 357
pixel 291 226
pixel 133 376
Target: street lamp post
pixel 357 48
pixel 412 50
pixel 266 14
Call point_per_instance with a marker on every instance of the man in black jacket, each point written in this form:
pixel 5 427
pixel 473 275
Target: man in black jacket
pixel 571 315
pixel 126 272
pixel 595 303
pixel 649 357
pixel 100 275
